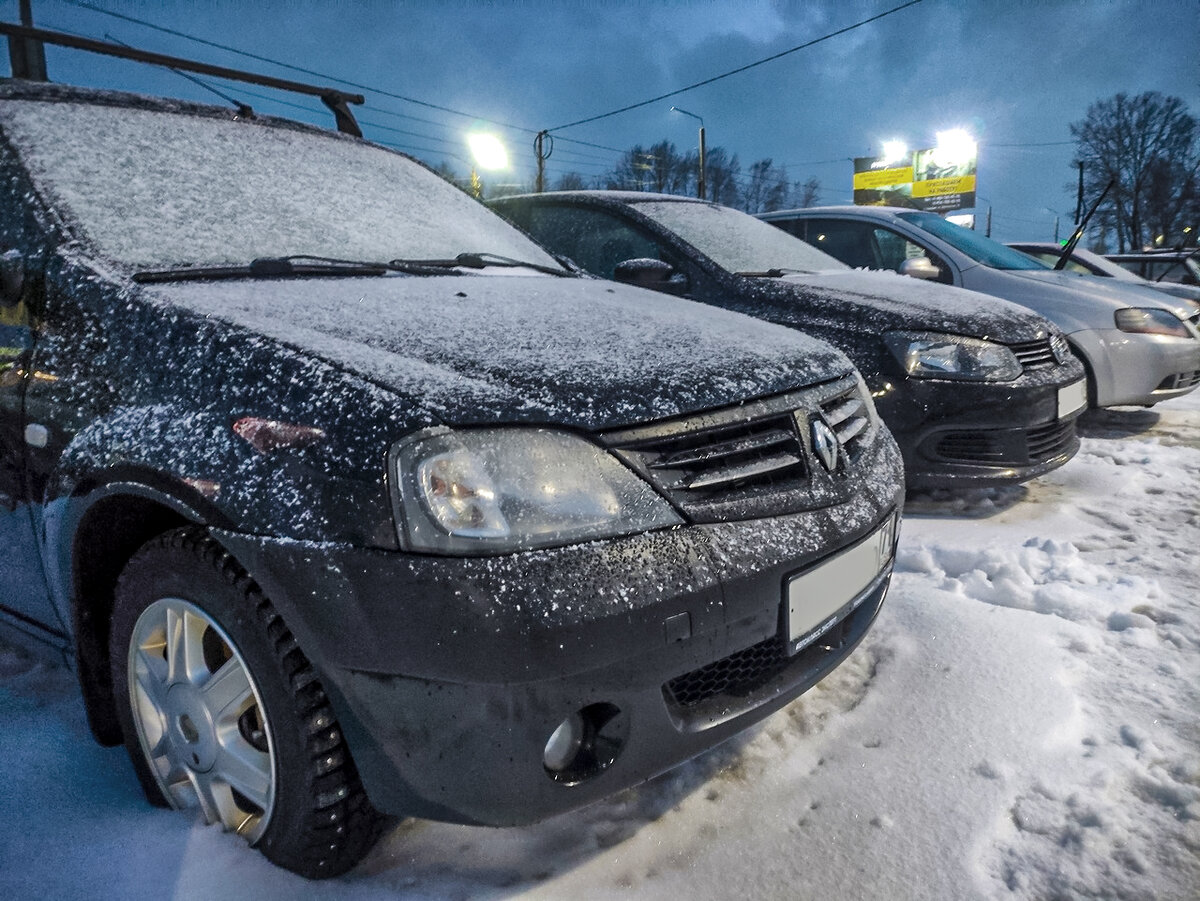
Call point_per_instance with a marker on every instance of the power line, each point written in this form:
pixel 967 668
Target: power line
pixel 736 71
pixel 266 59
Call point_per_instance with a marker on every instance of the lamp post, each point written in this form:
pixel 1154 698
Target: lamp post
pixel 487 153
pixel 700 179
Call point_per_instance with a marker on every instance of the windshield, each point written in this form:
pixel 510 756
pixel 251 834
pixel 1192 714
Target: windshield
pixel 737 241
pixel 976 246
pixel 155 188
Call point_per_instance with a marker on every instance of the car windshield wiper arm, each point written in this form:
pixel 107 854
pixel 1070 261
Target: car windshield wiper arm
pixel 774 273
pixel 477 261
pixel 268 267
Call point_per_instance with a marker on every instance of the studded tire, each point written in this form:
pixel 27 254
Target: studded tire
pixel 221 710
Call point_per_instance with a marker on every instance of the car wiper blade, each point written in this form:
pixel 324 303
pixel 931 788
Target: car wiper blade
pixel 267 267
pixel 774 273
pixel 477 261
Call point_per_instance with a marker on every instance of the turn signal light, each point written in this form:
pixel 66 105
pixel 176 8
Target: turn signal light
pixel 268 435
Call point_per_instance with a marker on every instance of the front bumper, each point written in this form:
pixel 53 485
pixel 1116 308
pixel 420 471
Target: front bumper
pixel 449 675
pixel 1132 369
pixel 973 434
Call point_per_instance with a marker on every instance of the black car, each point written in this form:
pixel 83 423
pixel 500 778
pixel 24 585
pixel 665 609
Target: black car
pixel 976 391
pixel 345 497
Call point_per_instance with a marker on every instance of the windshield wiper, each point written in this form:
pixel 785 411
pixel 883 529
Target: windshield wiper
pixel 1069 247
pixel 476 261
pixel 775 273
pixel 268 267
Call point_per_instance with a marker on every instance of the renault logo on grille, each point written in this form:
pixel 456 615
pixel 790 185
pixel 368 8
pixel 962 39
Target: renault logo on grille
pixel 825 444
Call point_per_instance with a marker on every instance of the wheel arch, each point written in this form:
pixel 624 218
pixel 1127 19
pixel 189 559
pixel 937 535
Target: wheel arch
pixel 89 542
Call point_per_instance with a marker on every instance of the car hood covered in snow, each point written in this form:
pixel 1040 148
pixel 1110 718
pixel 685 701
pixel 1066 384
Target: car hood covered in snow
pixel 879 301
pixel 513 348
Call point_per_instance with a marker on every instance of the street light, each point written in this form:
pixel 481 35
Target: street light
pixel 488 153
pixel 894 151
pixel 700 178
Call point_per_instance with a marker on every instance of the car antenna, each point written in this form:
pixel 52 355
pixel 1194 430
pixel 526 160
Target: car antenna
pixel 1069 248
pixel 244 109
pixel 337 101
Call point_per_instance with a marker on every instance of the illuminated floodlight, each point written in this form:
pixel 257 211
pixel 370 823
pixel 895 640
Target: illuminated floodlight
pixel 894 151
pixel 954 147
pixel 487 150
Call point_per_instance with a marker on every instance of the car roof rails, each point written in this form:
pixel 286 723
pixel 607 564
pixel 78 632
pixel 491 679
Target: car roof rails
pixel 336 100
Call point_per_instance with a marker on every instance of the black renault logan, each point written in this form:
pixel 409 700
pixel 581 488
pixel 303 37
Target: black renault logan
pixel 345 498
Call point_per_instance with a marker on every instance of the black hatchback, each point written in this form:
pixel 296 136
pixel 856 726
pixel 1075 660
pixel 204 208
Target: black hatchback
pixel 977 391
pixel 343 496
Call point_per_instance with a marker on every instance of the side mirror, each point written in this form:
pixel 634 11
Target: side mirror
pixel 12 278
pixel 920 267
pixel 653 274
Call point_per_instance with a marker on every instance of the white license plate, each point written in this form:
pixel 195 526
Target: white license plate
pixel 815 596
pixel 1071 398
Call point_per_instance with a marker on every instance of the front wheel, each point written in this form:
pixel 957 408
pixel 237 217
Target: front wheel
pixel 221 710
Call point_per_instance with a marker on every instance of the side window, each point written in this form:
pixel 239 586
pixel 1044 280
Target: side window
pixel 594 239
pixel 843 240
pixel 893 248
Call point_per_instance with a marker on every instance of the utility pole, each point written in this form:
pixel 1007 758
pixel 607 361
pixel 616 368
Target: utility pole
pixel 27 56
pixel 988 232
pixel 700 175
pixel 543 146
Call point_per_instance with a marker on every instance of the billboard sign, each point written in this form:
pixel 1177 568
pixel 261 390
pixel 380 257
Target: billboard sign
pixel 924 180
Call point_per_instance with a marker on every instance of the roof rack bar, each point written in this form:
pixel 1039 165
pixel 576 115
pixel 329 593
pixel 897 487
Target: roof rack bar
pixel 334 99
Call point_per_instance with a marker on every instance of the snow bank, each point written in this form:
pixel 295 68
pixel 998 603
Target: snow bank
pixel 1021 723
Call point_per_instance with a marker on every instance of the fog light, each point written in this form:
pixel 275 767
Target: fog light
pixel 563 746
pixel 585 743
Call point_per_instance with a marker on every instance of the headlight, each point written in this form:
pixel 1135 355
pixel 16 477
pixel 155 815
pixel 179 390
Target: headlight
pixel 1150 321
pixel 932 355
pixel 487 491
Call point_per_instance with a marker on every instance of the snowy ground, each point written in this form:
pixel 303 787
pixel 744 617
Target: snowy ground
pixel 1023 722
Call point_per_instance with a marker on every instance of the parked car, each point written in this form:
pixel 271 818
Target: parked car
pixel 975 392
pixel 333 519
pixel 1179 267
pixel 1085 262
pixel 1139 346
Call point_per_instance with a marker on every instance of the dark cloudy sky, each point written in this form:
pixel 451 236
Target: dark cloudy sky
pixel 1015 73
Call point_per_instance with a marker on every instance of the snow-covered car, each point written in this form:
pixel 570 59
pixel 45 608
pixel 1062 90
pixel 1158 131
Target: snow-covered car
pixel 976 392
pixel 426 523
pixel 1139 346
pixel 1087 263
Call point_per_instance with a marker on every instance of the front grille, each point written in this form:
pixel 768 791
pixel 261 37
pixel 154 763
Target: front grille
pixel 753 459
pixel 1034 354
pixel 698 465
pixel 971 447
pixel 1007 447
pixel 1046 441
pixel 739 673
pixel 847 415
pixel 1180 380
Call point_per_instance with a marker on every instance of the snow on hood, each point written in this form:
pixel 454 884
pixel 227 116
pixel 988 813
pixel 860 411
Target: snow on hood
pixel 1115 294
pixel 475 349
pixel 887 300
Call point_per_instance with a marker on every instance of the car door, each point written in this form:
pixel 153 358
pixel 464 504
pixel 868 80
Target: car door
pixel 24 597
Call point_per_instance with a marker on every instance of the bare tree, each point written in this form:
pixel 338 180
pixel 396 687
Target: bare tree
pixel 766 188
pixel 1148 145
pixel 721 174
pixel 570 181
pixel 806 193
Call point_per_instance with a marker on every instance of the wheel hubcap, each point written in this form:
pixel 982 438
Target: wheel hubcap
pixel 200 718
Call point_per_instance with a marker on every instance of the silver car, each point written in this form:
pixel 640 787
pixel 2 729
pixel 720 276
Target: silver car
pixel 1139 346
pixel 1087 263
